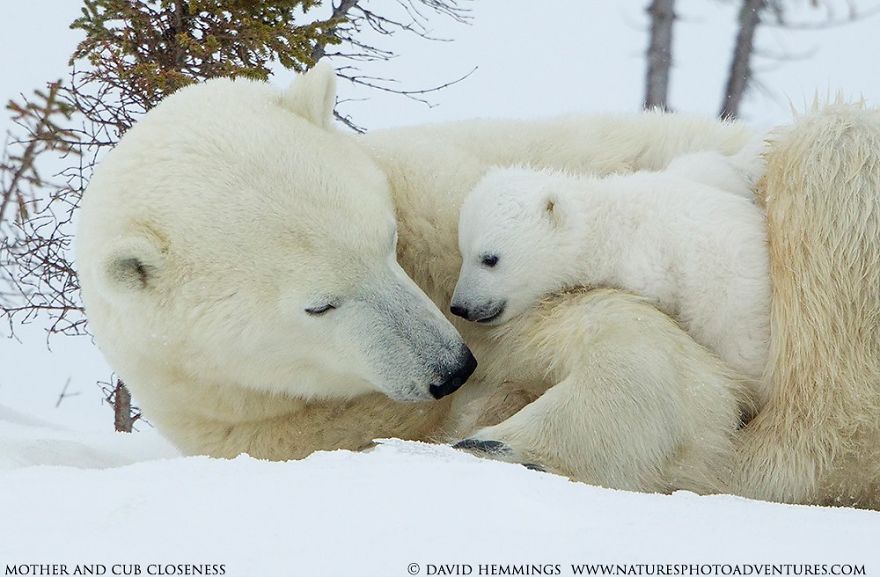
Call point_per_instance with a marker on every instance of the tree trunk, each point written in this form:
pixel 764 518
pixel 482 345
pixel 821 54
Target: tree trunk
pixel 659 54
pixel 339 13
pixel 740 67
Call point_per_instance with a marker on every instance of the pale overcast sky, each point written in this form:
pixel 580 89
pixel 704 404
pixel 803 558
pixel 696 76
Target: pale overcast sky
pixel 566 56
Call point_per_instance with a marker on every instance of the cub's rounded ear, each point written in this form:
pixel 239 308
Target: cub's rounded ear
pixel 312 95
pixel 133 265
pixel 552 209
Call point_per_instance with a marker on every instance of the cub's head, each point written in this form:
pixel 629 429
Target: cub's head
pixel 511 241
pixel 234 238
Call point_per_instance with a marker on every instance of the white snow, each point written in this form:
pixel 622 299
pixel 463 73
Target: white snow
pixel 26 441
pixel 371 514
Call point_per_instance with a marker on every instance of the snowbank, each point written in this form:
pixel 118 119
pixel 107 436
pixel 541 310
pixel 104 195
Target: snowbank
pixel 26 441
pixel 371 514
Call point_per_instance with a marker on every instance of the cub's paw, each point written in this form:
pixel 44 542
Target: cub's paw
pixel 750 162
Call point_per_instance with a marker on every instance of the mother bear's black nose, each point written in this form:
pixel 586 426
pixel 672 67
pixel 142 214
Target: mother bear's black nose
pixel 457 378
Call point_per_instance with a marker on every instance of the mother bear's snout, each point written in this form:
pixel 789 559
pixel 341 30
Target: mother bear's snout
pixel 457 376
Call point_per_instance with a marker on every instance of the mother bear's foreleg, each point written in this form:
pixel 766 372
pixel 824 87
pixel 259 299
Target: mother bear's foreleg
pixel 636 403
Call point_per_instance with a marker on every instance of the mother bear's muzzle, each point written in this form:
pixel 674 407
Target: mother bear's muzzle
pixel 413 352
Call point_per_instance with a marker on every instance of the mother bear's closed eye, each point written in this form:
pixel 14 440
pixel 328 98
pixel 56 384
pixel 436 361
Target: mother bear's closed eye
pixel 320 309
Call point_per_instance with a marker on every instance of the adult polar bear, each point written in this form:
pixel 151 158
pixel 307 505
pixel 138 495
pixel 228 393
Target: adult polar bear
pixel 237 266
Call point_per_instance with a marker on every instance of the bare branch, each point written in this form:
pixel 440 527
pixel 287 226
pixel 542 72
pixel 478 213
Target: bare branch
pixel 351 18
pixel 853 16
pixel 385 84
pixel 64 394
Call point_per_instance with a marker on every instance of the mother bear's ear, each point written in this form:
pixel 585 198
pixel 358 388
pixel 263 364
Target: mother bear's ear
pixel 131 265
pixel 312 95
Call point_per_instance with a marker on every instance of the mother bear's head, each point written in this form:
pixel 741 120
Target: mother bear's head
pixel 213 250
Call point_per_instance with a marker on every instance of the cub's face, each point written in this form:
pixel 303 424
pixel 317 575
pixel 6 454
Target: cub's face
pixel 509 230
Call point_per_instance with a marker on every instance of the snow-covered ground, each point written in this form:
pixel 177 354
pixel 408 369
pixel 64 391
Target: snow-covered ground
pixel 379 513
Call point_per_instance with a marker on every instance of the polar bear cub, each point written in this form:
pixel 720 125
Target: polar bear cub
pixel 688 237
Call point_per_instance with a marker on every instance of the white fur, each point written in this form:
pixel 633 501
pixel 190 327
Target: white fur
pixel 245 208
pixel 232 208
pixel 737 173
pixel 698 253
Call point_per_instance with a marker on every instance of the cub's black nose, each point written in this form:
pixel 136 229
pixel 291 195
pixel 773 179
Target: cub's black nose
pixel 460 311
pixel 457 378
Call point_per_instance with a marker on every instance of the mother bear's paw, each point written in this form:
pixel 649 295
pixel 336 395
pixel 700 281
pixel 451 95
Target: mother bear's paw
pixel 498 451
pixel 483 448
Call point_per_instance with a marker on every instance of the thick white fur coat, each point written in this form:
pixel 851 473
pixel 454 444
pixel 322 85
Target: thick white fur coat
pixel 233 209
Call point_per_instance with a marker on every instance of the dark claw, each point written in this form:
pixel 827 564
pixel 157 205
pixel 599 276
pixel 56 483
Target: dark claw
pixel 534 467
pixel 488 447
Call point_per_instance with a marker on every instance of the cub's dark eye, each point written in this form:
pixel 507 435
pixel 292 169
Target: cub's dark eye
pixel 315 311
pixel 489 260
